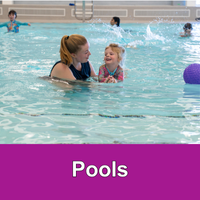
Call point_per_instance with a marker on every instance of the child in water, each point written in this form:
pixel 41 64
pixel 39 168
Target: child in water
pixel 13 25
pixel 115 21
pixel 111 71
pixel 187 30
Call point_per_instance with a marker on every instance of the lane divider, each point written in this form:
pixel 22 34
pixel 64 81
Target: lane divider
pixel 101 115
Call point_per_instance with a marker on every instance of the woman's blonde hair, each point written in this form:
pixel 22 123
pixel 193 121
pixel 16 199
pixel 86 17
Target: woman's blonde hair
pixel 119 50
pixel 70 44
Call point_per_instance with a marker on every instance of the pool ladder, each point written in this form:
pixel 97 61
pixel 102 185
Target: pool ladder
pixel 83 10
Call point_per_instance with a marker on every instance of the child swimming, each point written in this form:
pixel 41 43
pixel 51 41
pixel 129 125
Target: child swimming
pixel 13 25
pixel 187 30
pixel 111 71
pixel 115 21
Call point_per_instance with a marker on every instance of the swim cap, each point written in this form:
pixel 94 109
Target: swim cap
pixel 187 26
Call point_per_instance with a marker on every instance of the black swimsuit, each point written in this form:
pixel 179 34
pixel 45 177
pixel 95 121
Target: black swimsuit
pixel 79 75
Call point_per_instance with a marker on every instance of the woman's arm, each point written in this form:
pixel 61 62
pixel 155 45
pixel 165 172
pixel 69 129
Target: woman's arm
pixel 93 74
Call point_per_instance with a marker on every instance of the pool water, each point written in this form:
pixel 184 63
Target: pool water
pixel 152 105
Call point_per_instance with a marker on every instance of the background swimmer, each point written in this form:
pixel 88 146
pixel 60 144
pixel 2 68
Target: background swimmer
pixel 115 21
pixel 111 71
pixel 187 30
pixel 13 25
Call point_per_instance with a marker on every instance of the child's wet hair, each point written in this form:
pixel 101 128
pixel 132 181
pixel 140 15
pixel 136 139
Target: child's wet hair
pixel 119 50
pixel 117 19
pixel 12 12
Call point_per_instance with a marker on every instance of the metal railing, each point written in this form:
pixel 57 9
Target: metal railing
pixel 83 10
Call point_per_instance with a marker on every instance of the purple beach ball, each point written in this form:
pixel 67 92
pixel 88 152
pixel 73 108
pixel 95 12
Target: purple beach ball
pixel 191 74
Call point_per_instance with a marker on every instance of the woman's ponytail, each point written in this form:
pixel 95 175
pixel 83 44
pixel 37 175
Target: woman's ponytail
pixel 65 55
pixel 70 44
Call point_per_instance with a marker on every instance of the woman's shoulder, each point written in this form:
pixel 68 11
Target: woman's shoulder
pixel 62 67
pixel 59 69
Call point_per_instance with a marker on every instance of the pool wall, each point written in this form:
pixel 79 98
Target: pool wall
pixel 127 13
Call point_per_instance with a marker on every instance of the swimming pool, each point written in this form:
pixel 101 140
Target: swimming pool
pixel 152 105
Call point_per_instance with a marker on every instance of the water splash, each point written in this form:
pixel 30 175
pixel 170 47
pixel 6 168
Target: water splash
pixel 152 36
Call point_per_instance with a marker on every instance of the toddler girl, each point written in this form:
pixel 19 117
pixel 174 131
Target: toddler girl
pixel 111 71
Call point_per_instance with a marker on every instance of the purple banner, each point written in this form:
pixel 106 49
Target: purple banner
pixel 86 171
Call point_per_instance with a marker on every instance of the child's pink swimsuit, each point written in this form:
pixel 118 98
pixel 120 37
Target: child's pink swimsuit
pixel 104 73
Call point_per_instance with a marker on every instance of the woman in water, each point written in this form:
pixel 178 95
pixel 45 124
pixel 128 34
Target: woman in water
pixel 74 55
